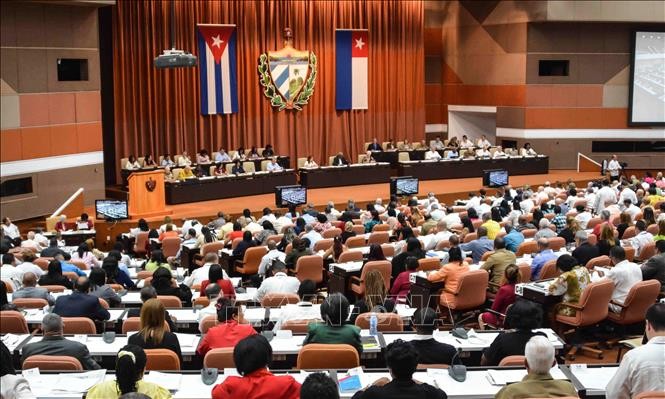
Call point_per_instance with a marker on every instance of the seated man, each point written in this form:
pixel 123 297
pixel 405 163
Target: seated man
pixel 654 268
pixel 538 383
pixel 339 160
pixel 303 310
pixel 545 254
pixel 432 154
pixel 513 237
pixel 52 249
pixel 479 246
pixel 430 351
pixel 278 283
pixel 80 303
pixel 402 360
pixel 374 145
pixel 273 166
pixel 229 331
pixel 200 274
pixel 643 369
pixel 544 230
pixel 642 238
pixel 29 289
pixel 149 292
pixel 496 263
pixel 624 275
pixel 584 251
pixel 213 293
pixel 268 258
pixel 54 344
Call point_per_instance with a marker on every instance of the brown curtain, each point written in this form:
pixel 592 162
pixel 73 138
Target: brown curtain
pixel 158 111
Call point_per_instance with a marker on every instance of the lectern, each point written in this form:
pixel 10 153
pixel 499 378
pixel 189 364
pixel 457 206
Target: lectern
pixel 146 194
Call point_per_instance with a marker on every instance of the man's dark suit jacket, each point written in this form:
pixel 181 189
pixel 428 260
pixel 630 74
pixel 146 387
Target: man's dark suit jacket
pixel 59 346
pixel 585 253
pixel 80 305
pixel 337 160
pixel 374 147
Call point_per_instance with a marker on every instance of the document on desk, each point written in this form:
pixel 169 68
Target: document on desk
pixel 79 382
pixel 187 339
pixel 505 377
pixel 593 377
pixel 168 381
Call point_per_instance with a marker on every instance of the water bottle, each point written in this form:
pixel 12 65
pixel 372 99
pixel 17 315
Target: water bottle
pixel 373 321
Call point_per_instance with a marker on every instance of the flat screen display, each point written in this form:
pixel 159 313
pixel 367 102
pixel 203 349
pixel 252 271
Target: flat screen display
pixel 290 195
pixel 647 84
pixel 111 209
pixel 404 186
pixel 495 178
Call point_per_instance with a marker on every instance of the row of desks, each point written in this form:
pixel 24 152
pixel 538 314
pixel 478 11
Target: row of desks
pixel 588 381
pixel 458 169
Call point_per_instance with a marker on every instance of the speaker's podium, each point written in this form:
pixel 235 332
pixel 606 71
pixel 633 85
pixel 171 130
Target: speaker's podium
pixel 146 194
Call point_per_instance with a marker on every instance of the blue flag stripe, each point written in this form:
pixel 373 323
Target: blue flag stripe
pixel 231 48
pixel 203 73
pixel 219 100
pixel 343 68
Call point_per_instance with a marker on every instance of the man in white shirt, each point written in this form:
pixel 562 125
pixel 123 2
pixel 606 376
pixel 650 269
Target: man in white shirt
pixel 624 275
pixel 627 193
pixel 222 156
pixel 30 242
pixel 643 369
pixel 583 216
pixel 213 292
pixel 184 160
pixel 273 166
pixel 303 310
pixel 466 143
pixel 280 222
pixel 451 218
pixel 278 283
pixel 312 235
pixel 473 202
pixel 606 195
pixel 200 274
pixel 268 258
pixel 614 168
pixel 378 205
pixel 630 209
pixel 432 154
pixel 436 214
pixel 483 142
pixel 642 238
pixel 267 215
pixel 27 266
pixel 527 204
pixel 442 234
pixel 10 228
pixel 9 272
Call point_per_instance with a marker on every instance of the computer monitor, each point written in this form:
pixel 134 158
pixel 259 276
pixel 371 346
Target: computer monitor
pixel 404 186
pixel 290 195
pixel 495 178
pixel 111 209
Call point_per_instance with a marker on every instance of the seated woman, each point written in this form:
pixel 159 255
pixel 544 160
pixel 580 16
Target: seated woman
pixel 527 151
pixel 376 297
pixel 452 153
pixel 606 241
pixel 413 248
pixel 206 237
pixel 186 173
pixel 268 151
pixel 402 284
pixel 572 227
pixel 202 157
pixel 571 282
pixel 237 168
pixel 152 333
pixel 157 260
pixel 115 275
pixel 322 224
pixel 230 329
pixel 309 163
pixel 253 153
pixel 168 232
pixel 247 242
pixel 335 250
pixel 373 221
pixel 523 317
pixel 54 276
pixel 83 253
pixel 132 163
pixel 240 154
pixel 100 289
pixel 130 367
pixel 299 248
pixel 216 275
pixel 164 285
pixel 261 237
pixel 252 355
pixel 375 253
pixel 504 298
pixel 451 272
pixel 149 162
pixel 220 170
pixel 84 222
pixel 334 312
pixel 625 221
pixel 348 232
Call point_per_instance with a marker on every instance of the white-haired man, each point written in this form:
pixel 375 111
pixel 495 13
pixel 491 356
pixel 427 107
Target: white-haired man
pixel 538 383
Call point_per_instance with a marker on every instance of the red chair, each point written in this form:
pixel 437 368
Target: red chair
pixel 13 322
pixel 52 363
pixel 161 359
pixel 310 267
pixel 383 266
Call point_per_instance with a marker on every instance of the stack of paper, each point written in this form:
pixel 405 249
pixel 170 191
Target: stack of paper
pixel 79 382
pixel 168 381
pixel 186 339
pixel 593 378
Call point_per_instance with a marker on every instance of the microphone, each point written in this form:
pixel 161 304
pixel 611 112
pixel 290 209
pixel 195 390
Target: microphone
pixel 457 371
pixel 458 332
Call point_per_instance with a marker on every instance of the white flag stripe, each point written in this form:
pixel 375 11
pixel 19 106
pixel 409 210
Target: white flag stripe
pixel 359 83
pixel 210 71
pixel 226 82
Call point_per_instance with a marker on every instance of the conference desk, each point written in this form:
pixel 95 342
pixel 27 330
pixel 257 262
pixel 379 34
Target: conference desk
pixel 73 238
pixel 481 382
pixel 457 169
pixel 350 175
pixel 212 188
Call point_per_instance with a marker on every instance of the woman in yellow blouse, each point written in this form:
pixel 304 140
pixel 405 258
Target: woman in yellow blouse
pixel 450 272
pixel 129 367
pixel 186 173
pixel 572 281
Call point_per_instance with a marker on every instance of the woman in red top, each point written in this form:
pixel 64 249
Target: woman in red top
pixel 504 298
pixel 402 284
pixel 236 233
pixel 216 274
pixel 229 331
pixel 252 356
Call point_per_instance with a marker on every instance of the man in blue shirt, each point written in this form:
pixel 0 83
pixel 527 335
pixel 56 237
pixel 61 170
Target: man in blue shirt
pixel 479 246
pixel 68 267
pixel 513 238
pixel 545 255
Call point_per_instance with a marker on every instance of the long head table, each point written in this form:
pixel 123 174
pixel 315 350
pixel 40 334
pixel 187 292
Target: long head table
pixel 458 169
pixel 211 188
pixel 351 175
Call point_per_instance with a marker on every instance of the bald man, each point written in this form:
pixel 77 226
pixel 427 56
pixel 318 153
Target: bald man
pixel 30 290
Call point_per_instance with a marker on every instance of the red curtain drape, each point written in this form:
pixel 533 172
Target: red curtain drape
pixel 158 111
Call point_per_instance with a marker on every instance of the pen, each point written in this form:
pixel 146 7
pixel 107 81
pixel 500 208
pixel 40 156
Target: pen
pixel 458 341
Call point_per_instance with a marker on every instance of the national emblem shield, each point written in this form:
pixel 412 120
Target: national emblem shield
pixel 150 185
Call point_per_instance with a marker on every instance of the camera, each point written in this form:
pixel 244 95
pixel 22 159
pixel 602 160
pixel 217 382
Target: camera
pixel 624 165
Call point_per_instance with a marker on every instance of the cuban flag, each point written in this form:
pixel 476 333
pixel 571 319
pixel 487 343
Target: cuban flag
pixel 351 80
pixel 218 69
